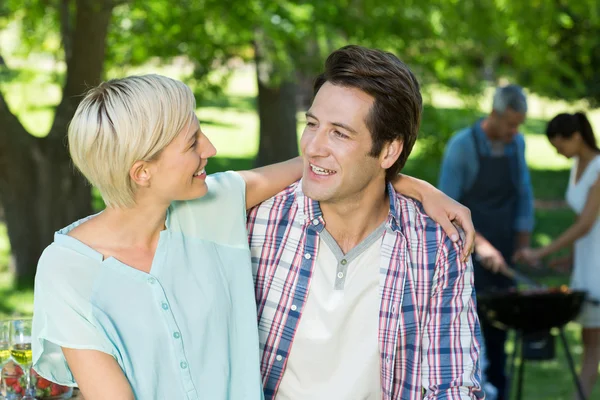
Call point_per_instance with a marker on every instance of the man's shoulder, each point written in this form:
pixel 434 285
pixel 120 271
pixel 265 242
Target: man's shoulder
pixel 462 137
pixel 287 197
pixel 520 140
pixel 416 222
pixel 411 210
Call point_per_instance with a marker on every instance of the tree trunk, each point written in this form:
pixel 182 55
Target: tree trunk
pixel 278 140
pixel 40 190
pixel 278 125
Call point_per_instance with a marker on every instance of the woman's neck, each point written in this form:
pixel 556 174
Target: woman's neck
pixel 135 227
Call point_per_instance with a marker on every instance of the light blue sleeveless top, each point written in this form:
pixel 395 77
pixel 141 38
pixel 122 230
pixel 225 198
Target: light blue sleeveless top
pixel 187 330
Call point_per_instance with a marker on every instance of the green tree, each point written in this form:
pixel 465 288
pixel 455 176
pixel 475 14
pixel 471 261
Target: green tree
pixel 38 188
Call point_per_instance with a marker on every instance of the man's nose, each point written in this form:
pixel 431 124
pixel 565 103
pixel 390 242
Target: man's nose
pixel 316 144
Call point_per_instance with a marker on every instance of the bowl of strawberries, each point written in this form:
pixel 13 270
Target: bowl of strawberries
pixel 16 384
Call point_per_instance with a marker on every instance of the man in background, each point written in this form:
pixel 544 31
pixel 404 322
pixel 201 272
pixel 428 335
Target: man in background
pixel 484 168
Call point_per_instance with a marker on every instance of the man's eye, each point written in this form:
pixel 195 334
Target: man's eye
pixel 340 135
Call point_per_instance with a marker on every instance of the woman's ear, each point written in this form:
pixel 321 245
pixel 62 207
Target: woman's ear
pixel 140 173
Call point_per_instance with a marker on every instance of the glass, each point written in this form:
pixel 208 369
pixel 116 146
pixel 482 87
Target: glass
pixel 4 353
pixel 20 351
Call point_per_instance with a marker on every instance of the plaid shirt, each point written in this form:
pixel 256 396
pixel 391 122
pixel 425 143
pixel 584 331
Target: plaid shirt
pixel 428 325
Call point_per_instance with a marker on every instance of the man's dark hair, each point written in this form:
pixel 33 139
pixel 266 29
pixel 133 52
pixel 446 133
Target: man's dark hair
pixel 396 111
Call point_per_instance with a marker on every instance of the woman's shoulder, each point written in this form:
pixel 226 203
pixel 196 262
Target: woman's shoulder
pixel 218 216
pixel 68 261
pixel 594 171
pixel 596 163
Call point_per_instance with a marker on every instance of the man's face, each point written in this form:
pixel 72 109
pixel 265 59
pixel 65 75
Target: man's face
pixel 336 144
pixel 506 125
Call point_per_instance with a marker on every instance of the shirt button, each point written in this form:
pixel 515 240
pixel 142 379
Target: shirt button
pixel 344 262
pixel 340 275
pixel 183 365
pixel 307 256
pixel 278 358
pixel 393 309
pixel 165 306
pixel 151 281
pixel 387 360
pixel 176 335
pixel 294 308
pixel 315 221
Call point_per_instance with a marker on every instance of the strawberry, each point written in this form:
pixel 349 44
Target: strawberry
pixel 43 383
pixel 56 390
pixel 11 381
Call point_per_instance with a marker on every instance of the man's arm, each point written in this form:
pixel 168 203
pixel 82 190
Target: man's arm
pixel 453 169
pixel 524 220
pixel 451 336
pixel 523 240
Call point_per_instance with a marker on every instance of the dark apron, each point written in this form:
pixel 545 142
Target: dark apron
pixel 492 200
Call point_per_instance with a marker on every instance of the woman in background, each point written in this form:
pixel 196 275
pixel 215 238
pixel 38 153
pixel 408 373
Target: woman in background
pixel 572 136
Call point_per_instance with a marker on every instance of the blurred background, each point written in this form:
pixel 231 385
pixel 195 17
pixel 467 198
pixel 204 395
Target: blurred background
pixel 250 64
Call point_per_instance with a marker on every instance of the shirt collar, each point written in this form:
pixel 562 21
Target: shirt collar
pixel 309 210
pixel 395 215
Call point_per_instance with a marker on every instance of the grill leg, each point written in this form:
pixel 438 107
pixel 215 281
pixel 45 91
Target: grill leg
pixel 512 364
pixel 571 364
pixel 521 370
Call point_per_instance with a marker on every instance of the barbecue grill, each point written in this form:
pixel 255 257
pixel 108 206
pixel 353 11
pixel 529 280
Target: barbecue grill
pixel 532 313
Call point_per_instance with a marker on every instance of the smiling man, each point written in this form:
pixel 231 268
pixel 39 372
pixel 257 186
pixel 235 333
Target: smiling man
pixel 360 294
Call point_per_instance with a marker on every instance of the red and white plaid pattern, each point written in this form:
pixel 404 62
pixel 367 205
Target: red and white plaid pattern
pixel 428 327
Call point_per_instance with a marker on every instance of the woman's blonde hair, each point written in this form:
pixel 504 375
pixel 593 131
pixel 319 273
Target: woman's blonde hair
pixel 122 121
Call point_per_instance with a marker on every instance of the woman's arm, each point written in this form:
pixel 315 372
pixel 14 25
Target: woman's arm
pixel 265 182
pixel 582 225
pixel 562 264
pixel 579 228
pixel 98 375
pixel 441 208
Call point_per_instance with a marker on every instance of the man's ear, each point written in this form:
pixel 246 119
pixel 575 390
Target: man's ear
pixel 390 153
pixel 140 173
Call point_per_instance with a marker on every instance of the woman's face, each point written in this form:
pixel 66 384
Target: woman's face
pixel 178 173
pixel 568 147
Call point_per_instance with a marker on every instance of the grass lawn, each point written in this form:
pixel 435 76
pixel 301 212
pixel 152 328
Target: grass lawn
pixel 232 125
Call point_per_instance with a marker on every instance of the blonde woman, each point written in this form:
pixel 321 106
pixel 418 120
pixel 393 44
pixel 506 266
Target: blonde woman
pixel 153 297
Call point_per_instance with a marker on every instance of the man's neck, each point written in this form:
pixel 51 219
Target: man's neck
pixel 487 129
pixel 350 221
pixel 497 146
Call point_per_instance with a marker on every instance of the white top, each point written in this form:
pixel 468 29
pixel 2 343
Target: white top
pixel 335 353
pixel 186 330
pixel 586 271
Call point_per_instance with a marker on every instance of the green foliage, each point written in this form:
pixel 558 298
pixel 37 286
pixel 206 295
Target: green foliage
pixel 438 126
pixel 38 21
pixel 552 47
